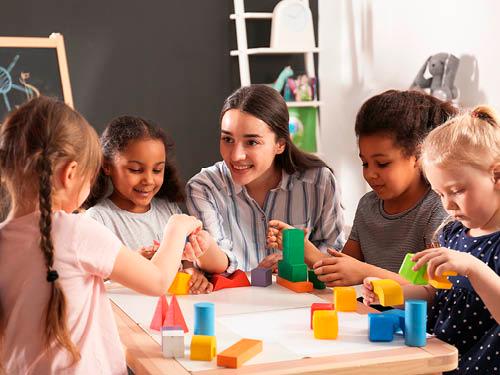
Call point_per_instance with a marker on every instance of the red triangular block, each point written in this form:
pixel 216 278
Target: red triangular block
pixel 235 280
pixel 160 313
pixel 174 316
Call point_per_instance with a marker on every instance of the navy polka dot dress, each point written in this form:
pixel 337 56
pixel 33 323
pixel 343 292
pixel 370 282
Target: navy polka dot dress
pixel 459 316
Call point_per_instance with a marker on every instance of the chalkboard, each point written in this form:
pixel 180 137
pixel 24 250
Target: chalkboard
pixel 31 67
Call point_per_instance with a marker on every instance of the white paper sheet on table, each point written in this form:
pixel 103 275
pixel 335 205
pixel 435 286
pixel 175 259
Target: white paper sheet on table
pixel 291 329
pixel 274 314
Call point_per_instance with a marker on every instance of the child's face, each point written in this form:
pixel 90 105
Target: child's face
pixel 469 195
pixel 249 147
pixel 137 174
pixel 388 172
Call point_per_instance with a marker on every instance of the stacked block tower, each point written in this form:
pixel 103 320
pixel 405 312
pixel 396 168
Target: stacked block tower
pixel 292 270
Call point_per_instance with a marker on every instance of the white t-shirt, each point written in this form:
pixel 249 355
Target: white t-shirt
pixel 84 254
pixel 135 230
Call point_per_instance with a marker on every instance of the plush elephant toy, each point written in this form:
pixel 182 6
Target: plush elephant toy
pixel 443 69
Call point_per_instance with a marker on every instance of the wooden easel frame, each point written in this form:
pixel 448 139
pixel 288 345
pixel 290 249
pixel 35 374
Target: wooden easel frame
pixel 55 40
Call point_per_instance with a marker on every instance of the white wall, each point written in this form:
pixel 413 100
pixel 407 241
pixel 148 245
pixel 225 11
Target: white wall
pixel 368 46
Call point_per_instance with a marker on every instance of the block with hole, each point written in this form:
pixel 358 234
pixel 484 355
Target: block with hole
pixel 180 285
pixel 388 291
pixel 203 348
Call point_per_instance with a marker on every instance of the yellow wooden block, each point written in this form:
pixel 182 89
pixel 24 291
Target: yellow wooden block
pixel 344 298
pixel 442 282
pixel 389 292
pixel 180 285
pixel 325 324
pixel 203 348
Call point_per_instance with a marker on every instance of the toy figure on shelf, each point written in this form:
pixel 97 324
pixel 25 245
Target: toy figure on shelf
pixel 302 89
pixel 279 84
pixel 443 69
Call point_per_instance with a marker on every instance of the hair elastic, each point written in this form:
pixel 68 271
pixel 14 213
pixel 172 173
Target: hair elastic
pixel 52 276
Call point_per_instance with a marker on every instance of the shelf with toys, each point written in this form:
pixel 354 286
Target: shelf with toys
pixel 292 32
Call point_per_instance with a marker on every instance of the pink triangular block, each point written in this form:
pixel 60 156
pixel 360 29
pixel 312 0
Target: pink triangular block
pixel 174 316
pixel 160 313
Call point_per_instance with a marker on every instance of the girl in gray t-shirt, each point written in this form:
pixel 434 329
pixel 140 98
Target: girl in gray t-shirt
pixel 144 191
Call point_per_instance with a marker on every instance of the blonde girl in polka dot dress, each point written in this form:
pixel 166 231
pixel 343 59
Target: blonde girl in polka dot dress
pixel 461 160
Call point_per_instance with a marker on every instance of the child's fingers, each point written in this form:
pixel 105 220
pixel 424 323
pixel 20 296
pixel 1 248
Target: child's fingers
pixel 188 253
pixel 334 252
pixel 210 287
pixel 434 263
pixel 195 288
pixel 424 257
pixel 367 282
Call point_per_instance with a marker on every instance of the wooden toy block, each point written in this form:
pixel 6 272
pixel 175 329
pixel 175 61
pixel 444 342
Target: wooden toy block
pixel 414 277
pixel 415 322
pixel 235 280
pixel 239 353
pixel 389 292
pixel 172 342
pixel 293 246
pixel 381 327
pixel 399 319
pixel 314 279
pixel 317 307
pixel 344 298
pixel 159 314
pixel 298 287
pixel 442 282
pixel 261 276
pixel 325 324
pixel 180 285
pixel 292 272
pixel 174 317
pixel 203 348
pixel 204 319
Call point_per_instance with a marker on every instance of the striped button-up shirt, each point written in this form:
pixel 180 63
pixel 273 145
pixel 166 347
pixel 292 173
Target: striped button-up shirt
pixel 308 200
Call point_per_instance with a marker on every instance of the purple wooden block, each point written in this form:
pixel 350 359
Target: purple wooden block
pixel 262 276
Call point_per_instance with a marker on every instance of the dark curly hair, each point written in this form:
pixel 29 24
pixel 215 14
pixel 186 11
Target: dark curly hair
pixel 119 133
pixel 408 116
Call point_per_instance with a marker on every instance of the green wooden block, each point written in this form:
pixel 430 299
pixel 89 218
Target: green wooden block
pixel 293 246
pixel 292 272
pixel 314 279
pixel 414 277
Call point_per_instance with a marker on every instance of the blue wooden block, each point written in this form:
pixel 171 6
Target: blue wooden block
pixel 262 276
pixel 399 319
pixel 415 322
pixel 381 327
pixel 204 319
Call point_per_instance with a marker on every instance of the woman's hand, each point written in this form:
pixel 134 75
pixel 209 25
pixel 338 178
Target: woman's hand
pixel 197 244
pixel 440 260
pixel 275 235
pixel 339 270
pixel 271 261
pixel 369 297
pixel 198 283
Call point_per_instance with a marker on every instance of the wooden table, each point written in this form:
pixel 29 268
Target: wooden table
pixel 144 356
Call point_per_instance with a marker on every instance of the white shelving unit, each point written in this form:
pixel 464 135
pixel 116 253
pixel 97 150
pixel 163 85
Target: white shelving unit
pixel 240 17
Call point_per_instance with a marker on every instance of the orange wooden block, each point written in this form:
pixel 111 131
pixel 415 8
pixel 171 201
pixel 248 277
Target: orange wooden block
pixel 442 282
pixel 239 353
pixel 298 287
